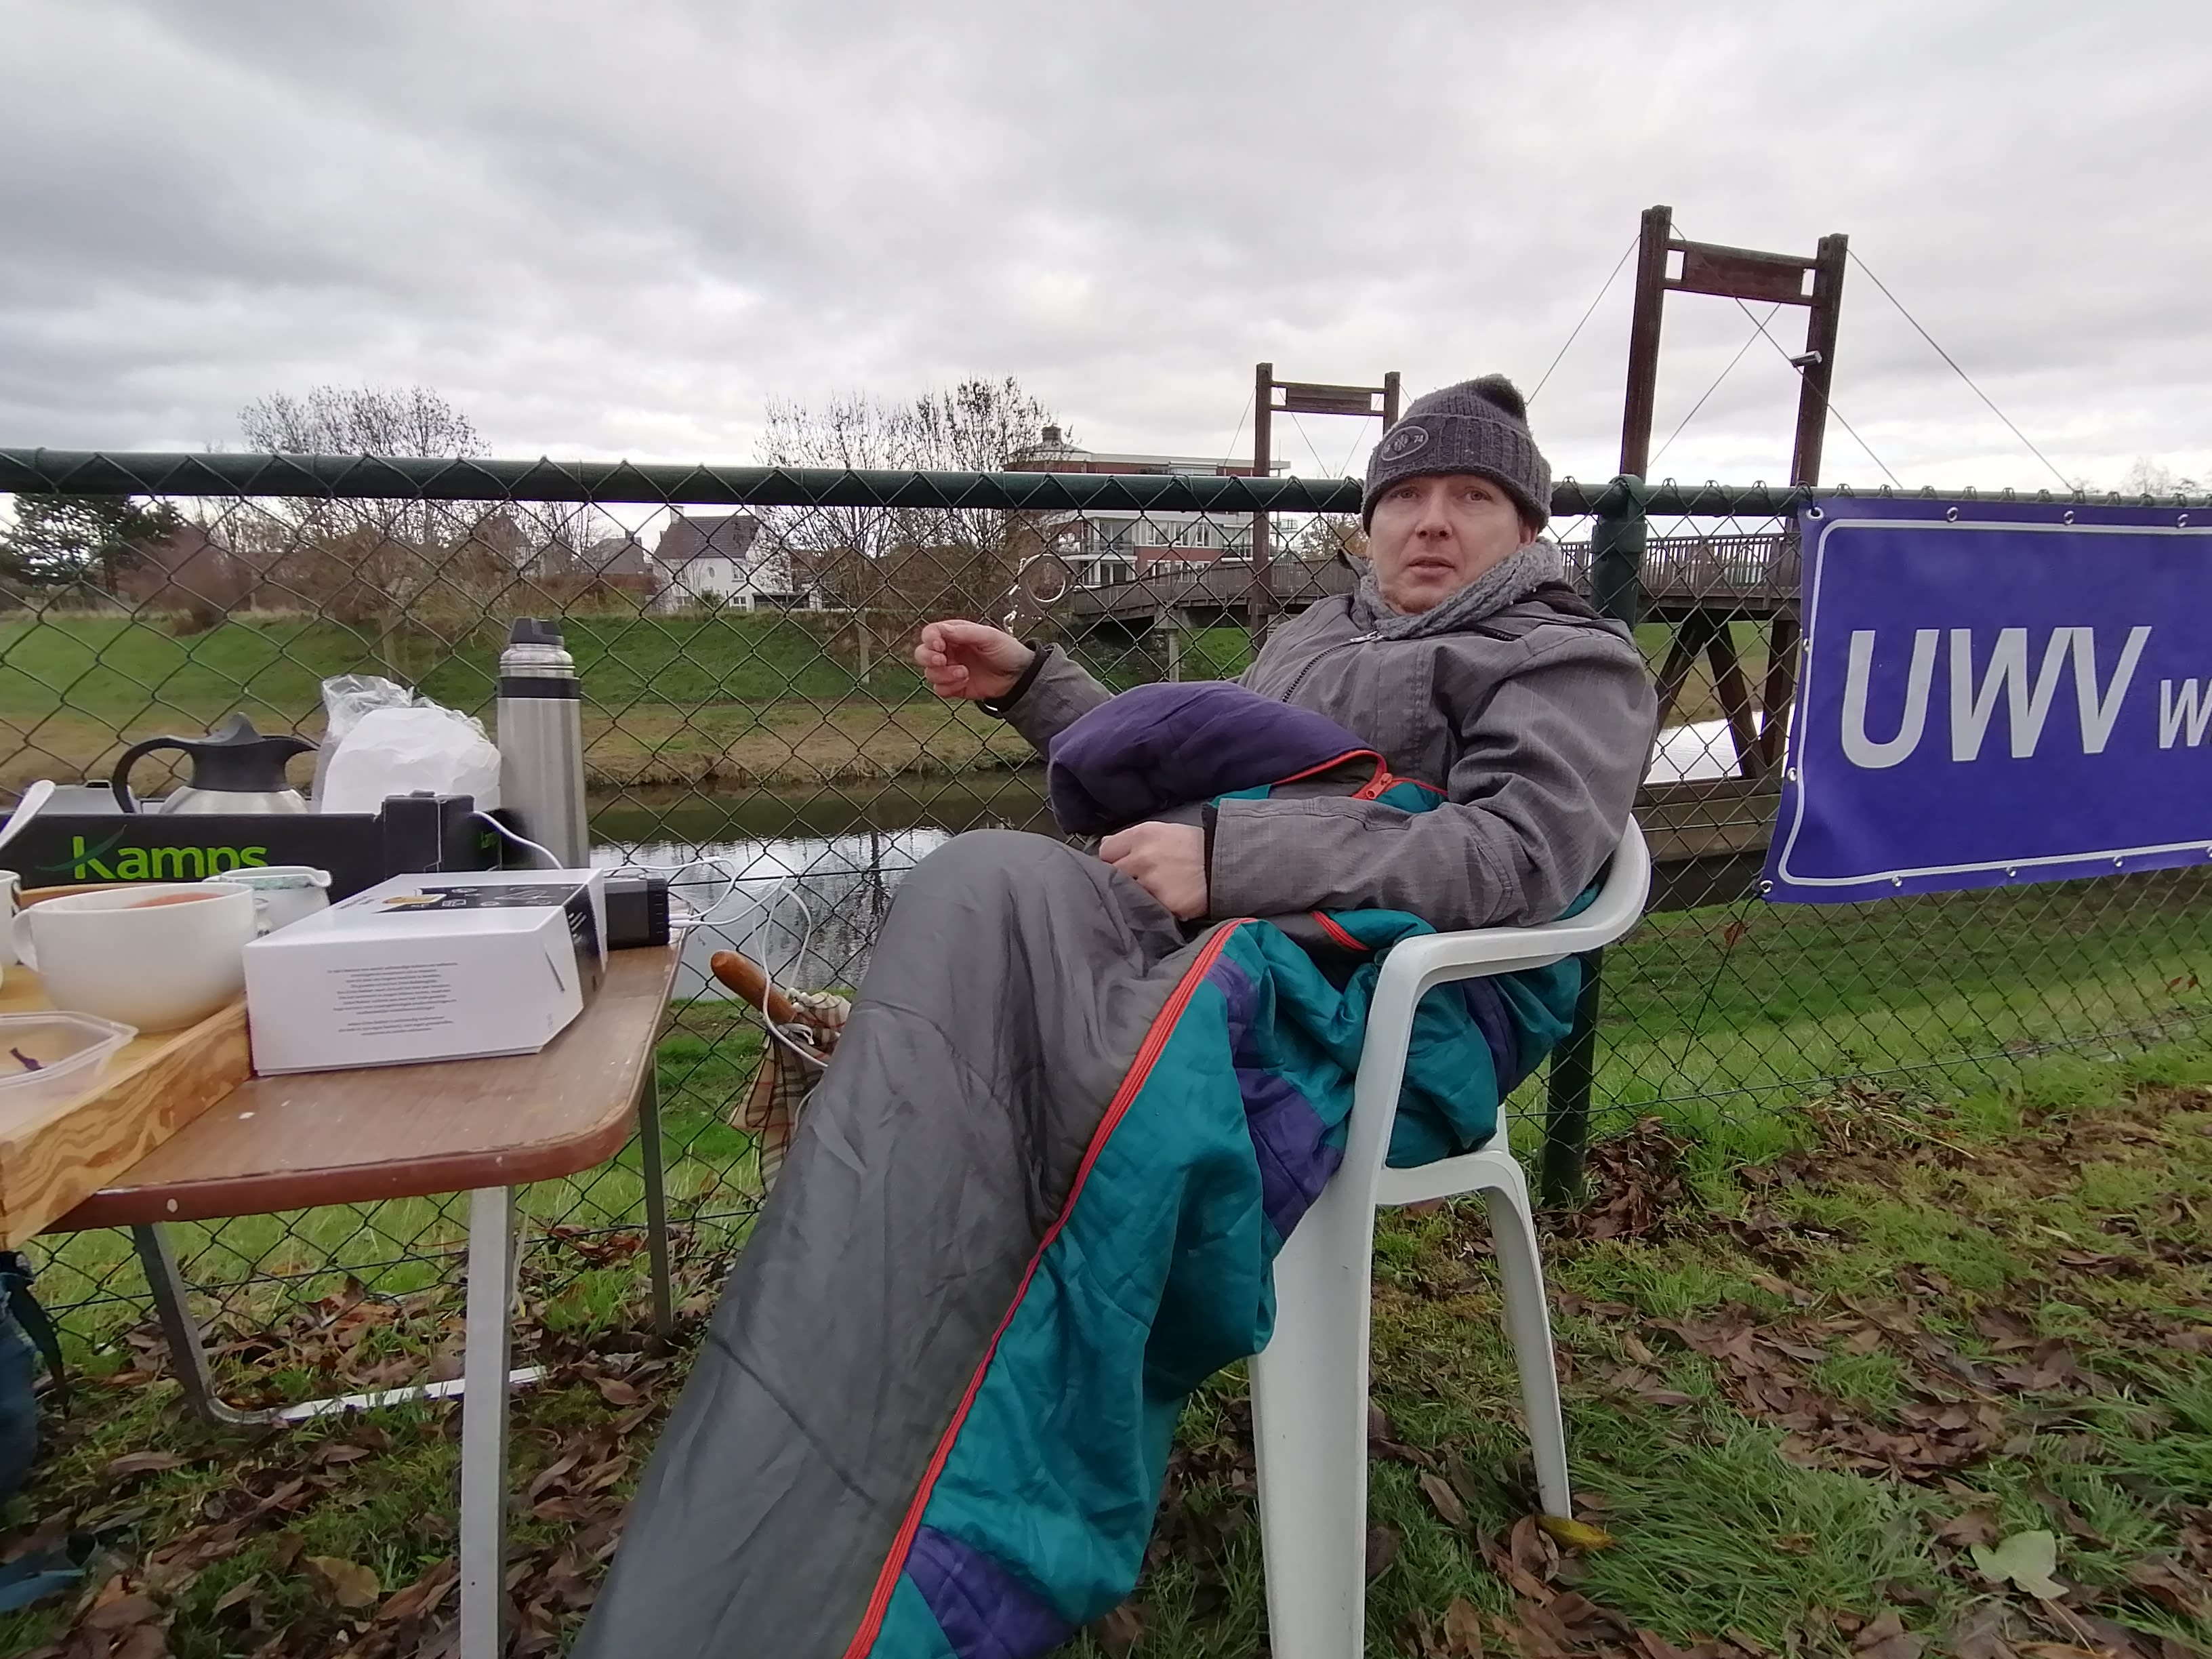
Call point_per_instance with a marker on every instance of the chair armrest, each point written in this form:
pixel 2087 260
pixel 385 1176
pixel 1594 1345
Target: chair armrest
pixel 1414 965
pixel 1480 953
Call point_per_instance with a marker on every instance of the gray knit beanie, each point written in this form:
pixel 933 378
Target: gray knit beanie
pixel 1477 426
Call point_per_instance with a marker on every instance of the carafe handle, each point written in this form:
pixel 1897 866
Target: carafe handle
pixel 118 782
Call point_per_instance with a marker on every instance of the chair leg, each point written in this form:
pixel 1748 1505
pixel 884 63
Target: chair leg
pixel 1528 1324
pixel 1310 1436
pixel 493 1260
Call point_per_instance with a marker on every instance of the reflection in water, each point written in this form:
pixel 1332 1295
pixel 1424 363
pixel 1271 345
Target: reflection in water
pixel 802 885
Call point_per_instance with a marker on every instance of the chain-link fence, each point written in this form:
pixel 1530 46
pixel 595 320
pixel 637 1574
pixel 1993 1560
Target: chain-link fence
pixel 756 731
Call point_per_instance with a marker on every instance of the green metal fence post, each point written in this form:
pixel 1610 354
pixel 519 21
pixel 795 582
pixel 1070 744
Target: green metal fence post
pixel 1617 543
pixel 1566 1120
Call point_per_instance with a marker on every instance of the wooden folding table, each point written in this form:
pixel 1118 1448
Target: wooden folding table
pixel 481 1127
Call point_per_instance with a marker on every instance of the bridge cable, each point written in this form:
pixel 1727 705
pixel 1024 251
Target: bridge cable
pixel 1232 457
pixel 1604 289
pixel 2065 482
pixel 1749 341
pixel 1829 402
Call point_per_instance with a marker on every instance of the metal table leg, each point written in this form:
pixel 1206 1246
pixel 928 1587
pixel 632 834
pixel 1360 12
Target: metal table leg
pixel 187 1355
pixel 656 1203
pixel 493 1261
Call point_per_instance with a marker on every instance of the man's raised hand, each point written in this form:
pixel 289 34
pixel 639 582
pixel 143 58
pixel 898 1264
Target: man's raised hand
pixel 970 659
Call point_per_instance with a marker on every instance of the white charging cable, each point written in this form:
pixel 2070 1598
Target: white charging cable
pixel 524 842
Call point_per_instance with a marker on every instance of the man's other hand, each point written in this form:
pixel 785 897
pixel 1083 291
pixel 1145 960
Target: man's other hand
pixel 1168 860
pixel 969 660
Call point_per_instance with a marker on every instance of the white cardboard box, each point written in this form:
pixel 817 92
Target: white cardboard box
pixel 432 967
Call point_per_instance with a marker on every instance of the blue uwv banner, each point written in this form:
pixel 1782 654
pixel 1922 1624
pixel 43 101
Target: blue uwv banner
pixel 1996 692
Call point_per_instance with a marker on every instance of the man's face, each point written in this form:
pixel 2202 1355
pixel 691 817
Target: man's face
pixel 1431 537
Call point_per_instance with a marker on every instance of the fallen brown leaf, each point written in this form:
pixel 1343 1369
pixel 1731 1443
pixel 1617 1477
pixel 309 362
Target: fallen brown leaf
pixel 147 1463
pixel 615 1391
pixel 420 1598
pixel 1974 1527
pixel 1982 1632
pixel 122 1612
pixel 2164 1582
pixel 244 1590
pixel 1443 1499
pixel 1120 1631
pixel 347 1582
pixel 1887 1639
pixel 1463 1630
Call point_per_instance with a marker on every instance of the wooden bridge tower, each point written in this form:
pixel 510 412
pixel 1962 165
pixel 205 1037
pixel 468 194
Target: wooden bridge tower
pixel 1743 275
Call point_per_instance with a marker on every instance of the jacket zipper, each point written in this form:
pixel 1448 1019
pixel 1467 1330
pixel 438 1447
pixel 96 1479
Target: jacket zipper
pixel 1299 678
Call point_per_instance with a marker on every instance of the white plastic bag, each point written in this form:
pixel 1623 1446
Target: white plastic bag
pixel 398 750
pixel 346 698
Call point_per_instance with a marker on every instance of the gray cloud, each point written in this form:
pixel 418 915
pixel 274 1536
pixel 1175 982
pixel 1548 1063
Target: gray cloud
pixel 621 232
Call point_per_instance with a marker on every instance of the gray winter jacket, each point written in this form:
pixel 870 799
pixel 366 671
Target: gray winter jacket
pixel 1536 723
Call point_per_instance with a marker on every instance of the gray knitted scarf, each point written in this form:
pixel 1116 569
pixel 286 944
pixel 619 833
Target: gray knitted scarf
pixel 1508 582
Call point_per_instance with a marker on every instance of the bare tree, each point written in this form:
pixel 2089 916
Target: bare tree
pixel 359 421
pixel 2150 478
pixel 911 562
pixel 440 563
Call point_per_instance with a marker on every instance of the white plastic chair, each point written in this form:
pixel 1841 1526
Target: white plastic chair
pixel 1310 1385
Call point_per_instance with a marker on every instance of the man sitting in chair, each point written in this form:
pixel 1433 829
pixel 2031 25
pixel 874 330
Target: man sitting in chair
pixel 1463 655
pixel 1034 1200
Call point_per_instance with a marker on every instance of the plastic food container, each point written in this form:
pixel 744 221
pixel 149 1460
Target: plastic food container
pixel 51 1057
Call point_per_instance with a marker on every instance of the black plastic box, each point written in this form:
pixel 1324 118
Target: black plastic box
pixel 413 833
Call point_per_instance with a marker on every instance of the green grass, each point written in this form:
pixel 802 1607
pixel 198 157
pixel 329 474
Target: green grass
pixel 73 688
pixel 1871 1271
pixel 1720 1015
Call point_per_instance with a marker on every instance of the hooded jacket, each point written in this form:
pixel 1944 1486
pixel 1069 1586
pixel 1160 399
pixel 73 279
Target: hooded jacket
pixel 1535 721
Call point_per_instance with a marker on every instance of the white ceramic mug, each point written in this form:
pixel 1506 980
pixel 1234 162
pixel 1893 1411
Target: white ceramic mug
pixel 10 885
pixel 282 893
pixel 155 955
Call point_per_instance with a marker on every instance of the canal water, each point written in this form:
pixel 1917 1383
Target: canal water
pixel 800 880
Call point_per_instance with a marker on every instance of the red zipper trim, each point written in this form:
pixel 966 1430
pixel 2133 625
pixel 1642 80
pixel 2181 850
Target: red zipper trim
pixel 1148 1054
pixel 1380 767
pixel 1384 779
pixel 1338 933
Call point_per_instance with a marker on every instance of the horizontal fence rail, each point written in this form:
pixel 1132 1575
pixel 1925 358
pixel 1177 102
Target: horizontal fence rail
pixel 93 472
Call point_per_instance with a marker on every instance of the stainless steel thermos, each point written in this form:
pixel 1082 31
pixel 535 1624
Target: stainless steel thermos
pixel 541 740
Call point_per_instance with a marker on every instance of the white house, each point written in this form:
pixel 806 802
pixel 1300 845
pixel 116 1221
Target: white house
pixel 721 558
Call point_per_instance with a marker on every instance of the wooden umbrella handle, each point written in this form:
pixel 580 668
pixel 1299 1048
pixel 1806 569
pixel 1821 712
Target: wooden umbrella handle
pixel 750 980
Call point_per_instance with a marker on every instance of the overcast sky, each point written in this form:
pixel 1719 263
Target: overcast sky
pixel 619 230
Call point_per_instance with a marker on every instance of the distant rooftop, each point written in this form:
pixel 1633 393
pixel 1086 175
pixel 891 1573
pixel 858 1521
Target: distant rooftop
pixel 1056 454
pixel 686 538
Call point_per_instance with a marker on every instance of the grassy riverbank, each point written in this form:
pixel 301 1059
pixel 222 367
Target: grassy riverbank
pixel 731 699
